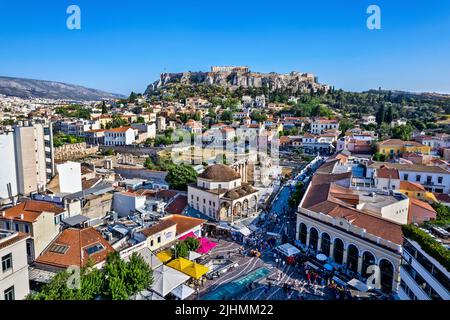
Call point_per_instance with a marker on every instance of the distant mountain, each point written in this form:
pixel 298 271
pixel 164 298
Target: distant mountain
pixel 29 88
pixel 240 77
pixel 415 95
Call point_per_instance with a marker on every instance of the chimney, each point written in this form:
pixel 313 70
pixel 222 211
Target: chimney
pixel 21 216
pixel 3 213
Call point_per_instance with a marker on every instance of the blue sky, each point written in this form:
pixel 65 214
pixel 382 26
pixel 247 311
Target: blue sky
pixel 125 45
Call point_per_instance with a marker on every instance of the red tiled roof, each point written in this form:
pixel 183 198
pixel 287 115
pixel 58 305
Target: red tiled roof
pixel 388 173
pixel 184 223
pixel 19 236
pixel 178 205
pixel 158 227
pixel 76 242
pixel 31 210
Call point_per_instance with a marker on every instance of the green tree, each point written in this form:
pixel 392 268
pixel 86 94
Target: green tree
pixel 380 115
pixel 180 176
pixel 138 275
pixel 403 132
pixel 132 97
pixel 390 114
pixel 192 243
pixel 104 109
pixel 180 250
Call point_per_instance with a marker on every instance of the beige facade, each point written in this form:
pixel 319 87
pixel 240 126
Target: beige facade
pixel 14 283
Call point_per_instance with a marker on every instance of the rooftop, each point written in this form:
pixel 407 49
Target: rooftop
pixel 30 210
pixel 76 247
pixel 219 173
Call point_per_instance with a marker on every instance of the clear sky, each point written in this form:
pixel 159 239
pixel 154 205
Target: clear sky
pixel 124 45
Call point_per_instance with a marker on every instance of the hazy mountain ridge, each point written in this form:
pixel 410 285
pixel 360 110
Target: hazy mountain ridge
pixel 31 88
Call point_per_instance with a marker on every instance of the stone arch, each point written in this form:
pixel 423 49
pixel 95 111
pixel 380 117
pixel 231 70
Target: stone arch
pixel 325 244
pixel 224 210
pixel 338 251
pixel 313 238
pixel 386 275
pixel 352 257
pixel 302 233
pixel 245 205
pixel 368 259
pixel 253 202
pixel 237 209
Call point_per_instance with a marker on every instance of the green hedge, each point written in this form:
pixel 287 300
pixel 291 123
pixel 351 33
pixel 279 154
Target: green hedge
pixel 428 244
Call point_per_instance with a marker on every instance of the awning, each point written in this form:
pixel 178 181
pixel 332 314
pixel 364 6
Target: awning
pixel 179 264
pixel 188 235
pixel 164 256
pixel 359 285
pixel 165 279
pixel 193 255
pixel 146 295
pixel 288 249
pixel 195 270
pixel 245 231
pixel 206 245
pixel 182 291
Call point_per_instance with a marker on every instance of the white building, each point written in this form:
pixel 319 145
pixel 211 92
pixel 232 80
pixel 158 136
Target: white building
pixel 28 159
pixel 122 136
pixel 432 178
pixel 161 124
pixel 77 127
pixel 69 174
pixel 220 194
pixel 366 120
pixel 127 202
pixel 422 276
pixel 318 126
pixel 14 283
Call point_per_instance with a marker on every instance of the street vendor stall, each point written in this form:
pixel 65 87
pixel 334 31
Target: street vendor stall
pixel 165 279
pixel 288 250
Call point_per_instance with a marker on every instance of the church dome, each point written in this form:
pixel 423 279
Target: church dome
pixel 219 173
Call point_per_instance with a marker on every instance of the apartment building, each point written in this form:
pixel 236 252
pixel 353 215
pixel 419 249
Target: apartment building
pixel 395 147
pixel 422 276
pixel 38 219
pixel 14 283
pixel 28 159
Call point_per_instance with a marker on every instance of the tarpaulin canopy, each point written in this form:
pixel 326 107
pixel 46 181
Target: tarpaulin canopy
pixel 146 295
pixel 164 256
pixel 205 246
pixel 165 279
pixel 193 255
pixel 179 264
pixel 195 270
pixel 188 235
pixel 361 286
pixel 288 249
pixel 182 291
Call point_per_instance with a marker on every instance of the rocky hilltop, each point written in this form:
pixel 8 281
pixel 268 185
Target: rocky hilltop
pixel 234 77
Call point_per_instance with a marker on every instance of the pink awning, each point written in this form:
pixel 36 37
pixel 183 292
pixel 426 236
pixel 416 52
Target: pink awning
pixel 188 235
pixel 206 245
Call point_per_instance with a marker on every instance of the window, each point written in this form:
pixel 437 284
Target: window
pixel 9 293
pixel 151 243
pixel 418 178
pixel 405 177
pixel 17 227
pixel 7 262
pixel 440 179
pixel 158 239
pixel 7 226
pixel 27 228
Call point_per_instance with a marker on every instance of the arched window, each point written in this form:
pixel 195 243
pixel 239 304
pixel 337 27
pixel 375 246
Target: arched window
pixel 352 258
pixel 313 238
pixel 368 259
pixel 338 251
pixel 302 233
pixel 325 244
pixel 386 275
